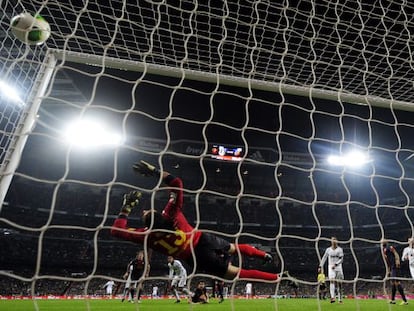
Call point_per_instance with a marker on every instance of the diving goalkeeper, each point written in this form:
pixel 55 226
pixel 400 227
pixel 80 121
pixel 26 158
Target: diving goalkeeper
pixel 170 234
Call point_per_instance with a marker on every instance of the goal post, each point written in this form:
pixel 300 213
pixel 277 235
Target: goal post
pixel 25 125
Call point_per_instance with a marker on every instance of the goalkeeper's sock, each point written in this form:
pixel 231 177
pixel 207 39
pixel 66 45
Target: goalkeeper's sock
pixel 256 274
pixel 251 251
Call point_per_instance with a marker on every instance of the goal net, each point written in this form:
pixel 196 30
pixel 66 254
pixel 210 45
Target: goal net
pixel 288 122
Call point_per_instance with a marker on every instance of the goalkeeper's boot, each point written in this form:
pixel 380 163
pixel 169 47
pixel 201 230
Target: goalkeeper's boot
pixel 131 200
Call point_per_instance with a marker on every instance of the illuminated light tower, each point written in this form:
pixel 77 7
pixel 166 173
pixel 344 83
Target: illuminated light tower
pixel 351 159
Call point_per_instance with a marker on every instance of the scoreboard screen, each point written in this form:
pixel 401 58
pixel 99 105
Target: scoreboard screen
pixel 226 153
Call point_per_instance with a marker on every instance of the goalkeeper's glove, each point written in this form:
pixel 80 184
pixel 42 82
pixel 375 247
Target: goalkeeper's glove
pixel 146 169
pixel 130 201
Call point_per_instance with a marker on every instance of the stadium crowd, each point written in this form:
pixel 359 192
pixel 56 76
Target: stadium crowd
pixel 292 225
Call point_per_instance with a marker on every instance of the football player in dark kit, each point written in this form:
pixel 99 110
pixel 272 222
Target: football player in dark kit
pixel 218 290
pixel 170 233
pixel 135 270
pixel 200 294
pixel 392 259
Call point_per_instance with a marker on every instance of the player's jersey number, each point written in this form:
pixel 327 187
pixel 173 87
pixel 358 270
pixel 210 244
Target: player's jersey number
pixel 172 242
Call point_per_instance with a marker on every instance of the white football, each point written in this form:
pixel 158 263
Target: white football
pixel 33 30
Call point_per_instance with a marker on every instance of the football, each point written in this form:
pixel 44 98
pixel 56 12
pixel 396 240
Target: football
pixel 32 30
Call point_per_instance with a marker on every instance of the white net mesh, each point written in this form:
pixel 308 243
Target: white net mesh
pixel 176 78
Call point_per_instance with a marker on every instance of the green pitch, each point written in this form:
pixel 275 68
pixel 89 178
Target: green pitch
pixel 169 305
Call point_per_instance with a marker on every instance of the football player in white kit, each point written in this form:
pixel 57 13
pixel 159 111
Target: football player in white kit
pixel 335 256
pixel 408 255
pixel 249 290
pixel 178 277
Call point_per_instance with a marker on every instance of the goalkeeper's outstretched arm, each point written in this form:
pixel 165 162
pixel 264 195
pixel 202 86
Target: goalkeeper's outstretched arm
pixel 146 169
pixel 176 184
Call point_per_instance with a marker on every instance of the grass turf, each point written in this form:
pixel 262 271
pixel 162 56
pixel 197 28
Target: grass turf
pixel 169 305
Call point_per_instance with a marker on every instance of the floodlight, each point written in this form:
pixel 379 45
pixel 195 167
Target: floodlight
pixel 91 134
pixel 10 92
pixel 351 159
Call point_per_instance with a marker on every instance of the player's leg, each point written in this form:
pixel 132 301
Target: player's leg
pixel 174 284
pixel 250 251
pixel 176 294
pixel 220 292
pixel 338 287
pixel 125 294
pixel 321 291
pixel 393 275
pixel 393 291
pixel 400 289
pixel 339 277
pixel 233 271
pixel 185 290
pixel 331 277
pixel 128 285
pixel 182 285
pixel 132 291
pixel 139 291
pixel 332 290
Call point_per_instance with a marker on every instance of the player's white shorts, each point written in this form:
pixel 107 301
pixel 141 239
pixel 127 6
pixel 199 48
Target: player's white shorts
pixel 109 290
pixel 335 275
pixel 181 281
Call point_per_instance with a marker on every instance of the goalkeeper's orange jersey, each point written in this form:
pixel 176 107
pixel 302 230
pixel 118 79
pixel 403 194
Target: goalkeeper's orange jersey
pixel 178 243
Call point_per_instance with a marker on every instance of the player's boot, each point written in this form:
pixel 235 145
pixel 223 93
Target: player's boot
pixel 130 201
